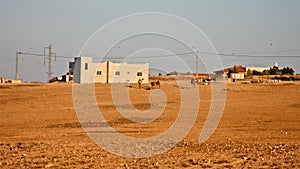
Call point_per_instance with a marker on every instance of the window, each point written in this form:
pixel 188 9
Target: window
pixel 117 73
pixel 86 66
pixel 139 73
pixel 99 73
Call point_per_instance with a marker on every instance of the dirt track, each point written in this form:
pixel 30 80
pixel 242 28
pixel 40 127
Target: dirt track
pixel 260 128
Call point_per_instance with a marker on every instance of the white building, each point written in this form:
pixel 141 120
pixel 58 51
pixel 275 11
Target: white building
pixel 259 69
pixel 86 71
pixel 237 76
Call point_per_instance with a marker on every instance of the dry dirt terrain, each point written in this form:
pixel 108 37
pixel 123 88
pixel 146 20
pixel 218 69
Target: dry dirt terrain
pixel 260 128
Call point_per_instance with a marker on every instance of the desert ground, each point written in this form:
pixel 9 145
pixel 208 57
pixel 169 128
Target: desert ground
pixel 260 128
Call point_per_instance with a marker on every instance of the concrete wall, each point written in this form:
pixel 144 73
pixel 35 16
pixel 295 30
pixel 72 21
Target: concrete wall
pixel 84 70
pixel 259 69
pixel 108 72
pixel 101 67
pixel 3 80
pixel 15 81
pixel 127 73
pixel 76 70
pixel 237 76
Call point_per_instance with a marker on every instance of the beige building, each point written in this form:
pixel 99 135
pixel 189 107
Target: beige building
pixel 237 76
pixel 3 80
pixel 239 70
pixel 84 70
pixel 259 69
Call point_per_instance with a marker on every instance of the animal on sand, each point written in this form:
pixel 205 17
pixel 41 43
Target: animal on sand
pixel 140 83
pixel 155 83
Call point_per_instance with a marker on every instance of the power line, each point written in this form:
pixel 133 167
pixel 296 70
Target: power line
pixel 206 53
pixel 44 55
pixel 265 52
pixel 222 55
pixel 260 56
pixel 176 54
pixel 49 57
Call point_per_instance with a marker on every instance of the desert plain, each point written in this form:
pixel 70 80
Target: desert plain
pixel 260 128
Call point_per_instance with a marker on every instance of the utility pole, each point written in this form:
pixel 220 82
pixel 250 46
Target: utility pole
pixel 49 57
pixel 197 58
pixel 197 64
pixel 49 60
pixel 49 66
pixel 17 65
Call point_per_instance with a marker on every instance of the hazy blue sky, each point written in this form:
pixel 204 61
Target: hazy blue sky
pixel 233 26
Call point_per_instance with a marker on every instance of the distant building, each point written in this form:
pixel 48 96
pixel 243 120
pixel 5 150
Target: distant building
pixel 84 70
pixel 3 80
pixel 191 75
pixel 239 74
pixel 202 75
pixel 258 69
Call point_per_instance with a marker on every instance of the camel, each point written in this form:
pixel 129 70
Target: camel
pixel 158 83
pixel 153 83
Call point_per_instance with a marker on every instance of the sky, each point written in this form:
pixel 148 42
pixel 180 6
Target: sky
pixel 267 31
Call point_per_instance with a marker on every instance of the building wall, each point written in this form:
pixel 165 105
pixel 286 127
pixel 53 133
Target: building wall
pixel 76 70
pixel 237 75
pixel 102 78
pixel 127 73
pixel 84 70
pixel 259 69
pixel 108 72
pixel 3 80
pixel 13 81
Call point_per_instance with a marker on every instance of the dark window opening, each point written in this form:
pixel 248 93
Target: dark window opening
pixel 86 66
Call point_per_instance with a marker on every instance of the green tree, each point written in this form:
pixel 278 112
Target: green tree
pixel 287 71
pixel 274 71
pixel 249 73
pixel 266 72
pixel 254 72
pixel 173 73
pixel 229 73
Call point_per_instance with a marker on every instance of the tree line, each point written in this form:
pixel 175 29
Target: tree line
pixel 272 71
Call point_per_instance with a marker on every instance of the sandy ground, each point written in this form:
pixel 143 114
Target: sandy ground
pixel 260 128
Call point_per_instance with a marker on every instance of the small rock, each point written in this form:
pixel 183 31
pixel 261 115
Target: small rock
pixel 155 163
pixel 126 166
pixel 49 165
pixel 193 161
pixel 185 165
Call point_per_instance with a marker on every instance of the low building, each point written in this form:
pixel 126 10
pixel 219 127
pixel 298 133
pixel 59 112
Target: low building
pixel 258 69
pixel 237 76
pixel 201 76
pixel 232 70
pixel 84 70
pixel 3 80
